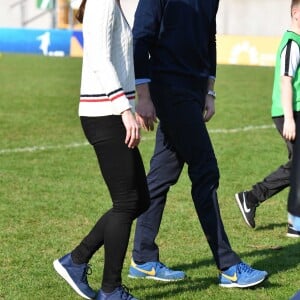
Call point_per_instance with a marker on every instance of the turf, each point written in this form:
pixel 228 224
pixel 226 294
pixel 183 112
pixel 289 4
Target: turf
pixel 51 192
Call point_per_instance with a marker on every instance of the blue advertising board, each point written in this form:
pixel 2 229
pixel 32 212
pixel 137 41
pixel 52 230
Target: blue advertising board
pixel 54 42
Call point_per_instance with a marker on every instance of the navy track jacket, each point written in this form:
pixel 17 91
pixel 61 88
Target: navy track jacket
pixel 175 40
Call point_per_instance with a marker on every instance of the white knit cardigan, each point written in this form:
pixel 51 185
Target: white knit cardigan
pixel 107 79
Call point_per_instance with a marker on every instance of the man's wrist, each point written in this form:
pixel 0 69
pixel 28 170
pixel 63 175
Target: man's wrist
pixel 142 81
pixel 212 93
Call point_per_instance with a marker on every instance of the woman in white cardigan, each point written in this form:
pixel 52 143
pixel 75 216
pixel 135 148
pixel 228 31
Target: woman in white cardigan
pixel 106 110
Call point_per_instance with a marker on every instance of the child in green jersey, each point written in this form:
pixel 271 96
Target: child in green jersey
pixel 286 116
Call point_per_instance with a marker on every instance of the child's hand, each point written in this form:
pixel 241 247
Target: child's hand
pixel 289 129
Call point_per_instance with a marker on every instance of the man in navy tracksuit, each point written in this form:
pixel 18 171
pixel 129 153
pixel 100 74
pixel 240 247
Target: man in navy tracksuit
pixel 175 68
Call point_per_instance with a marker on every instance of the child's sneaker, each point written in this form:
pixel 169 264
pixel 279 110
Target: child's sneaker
pixel 291 232
pixel 293 226
pixel 247 209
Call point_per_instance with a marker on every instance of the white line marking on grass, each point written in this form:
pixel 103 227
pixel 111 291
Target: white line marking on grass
pixel 76 145
pixel 42 148
pixel 247 128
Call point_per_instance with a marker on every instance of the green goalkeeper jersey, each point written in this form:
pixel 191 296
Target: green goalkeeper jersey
pixel 277 109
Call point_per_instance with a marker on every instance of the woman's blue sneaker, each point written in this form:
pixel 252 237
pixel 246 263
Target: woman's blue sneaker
pixel 242 276
pixel 75 275
pixel 154 270
pixel 120 293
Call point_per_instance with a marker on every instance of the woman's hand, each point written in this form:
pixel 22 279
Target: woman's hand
pixel 133 135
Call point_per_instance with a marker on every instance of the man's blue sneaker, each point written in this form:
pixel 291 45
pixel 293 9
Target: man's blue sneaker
pixel 296 296
pixel 154 270
pixel 75 275
pixel 242 276
pixel 120 293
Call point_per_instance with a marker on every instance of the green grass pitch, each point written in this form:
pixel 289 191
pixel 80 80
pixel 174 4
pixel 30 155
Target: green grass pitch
pixel 51 192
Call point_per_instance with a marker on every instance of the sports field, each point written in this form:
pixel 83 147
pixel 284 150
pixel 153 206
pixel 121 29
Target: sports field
pixel 51 192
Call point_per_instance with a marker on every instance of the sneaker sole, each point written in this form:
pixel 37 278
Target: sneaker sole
pixel 293 235
pixel 65 275
pixel 236 285
pixel 242 210
pixel 155 278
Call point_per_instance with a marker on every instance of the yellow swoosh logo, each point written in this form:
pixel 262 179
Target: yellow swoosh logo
pixel 232 278
pixel 150 273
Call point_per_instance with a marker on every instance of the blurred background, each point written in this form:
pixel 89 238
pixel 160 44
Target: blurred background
pixel 248 30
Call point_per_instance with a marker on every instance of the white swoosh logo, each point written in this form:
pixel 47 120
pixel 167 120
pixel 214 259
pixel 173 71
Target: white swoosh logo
pixel 246 209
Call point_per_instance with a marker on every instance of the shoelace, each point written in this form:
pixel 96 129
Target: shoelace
pixel 125 293
pixel 162 266
pixel 87 271
pixel 242 267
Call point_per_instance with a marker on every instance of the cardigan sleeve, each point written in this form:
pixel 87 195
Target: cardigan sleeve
pixel 98 29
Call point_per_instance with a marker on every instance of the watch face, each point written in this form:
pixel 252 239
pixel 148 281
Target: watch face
pixel 212 93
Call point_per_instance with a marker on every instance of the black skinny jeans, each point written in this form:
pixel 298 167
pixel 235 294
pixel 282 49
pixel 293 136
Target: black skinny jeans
pixel 123 171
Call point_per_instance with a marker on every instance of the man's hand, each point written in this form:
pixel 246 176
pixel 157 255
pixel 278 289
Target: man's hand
pixel 145 114
pixel 209 108
pixel 145 110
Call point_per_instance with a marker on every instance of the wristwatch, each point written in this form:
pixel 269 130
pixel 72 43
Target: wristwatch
pixel 212 93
